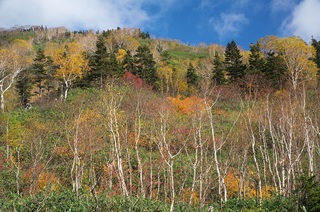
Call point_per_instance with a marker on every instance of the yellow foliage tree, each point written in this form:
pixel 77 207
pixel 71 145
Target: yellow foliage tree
pixel 296 55
pixel 165 73
pixel 71 63
pixel 121 54
pixel 13 60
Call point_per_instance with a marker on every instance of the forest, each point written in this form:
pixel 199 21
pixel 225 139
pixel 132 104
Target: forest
pixel 118 120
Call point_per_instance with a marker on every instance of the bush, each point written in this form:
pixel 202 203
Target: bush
pixel 308 194
pixel 57 201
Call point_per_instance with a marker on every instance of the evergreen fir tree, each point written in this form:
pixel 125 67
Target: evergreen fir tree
pixel 274 69
pixel 165 57
pixel 147 35
pixel 24 86
pixel 256 61
pixel 99 64
pixel 115 69
pixel 192 77
pixel 145 65
pixel 316 45
pixel 38 68
pixel 128 63
pixel 144 35
pixel 233 61
pixel 218 72
pixel 42 73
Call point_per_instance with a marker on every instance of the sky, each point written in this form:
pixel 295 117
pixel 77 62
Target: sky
pixel 190 21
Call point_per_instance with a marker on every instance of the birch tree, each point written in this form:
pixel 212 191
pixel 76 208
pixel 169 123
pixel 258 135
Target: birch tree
pixel 165 144
pixel 297 56
pixel 13 60
pixel 71 63
pixel 114 128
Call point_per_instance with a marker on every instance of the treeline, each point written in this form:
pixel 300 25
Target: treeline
pixel 122 115
pixel 87 59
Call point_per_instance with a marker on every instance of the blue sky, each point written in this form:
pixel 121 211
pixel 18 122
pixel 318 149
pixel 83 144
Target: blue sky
pixel 190 21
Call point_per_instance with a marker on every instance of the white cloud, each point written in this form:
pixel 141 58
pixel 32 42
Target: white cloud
pixel 74 14
pixel 206 4
pixel 242 3
pixel 304 20
pixel 281 5
pixel 231 4
pixel 229 25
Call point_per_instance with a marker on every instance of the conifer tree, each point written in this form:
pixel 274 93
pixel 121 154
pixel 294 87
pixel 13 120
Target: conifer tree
pixel 98 64
pixel 316 45
pixel 114 67
pixel 192 77
pixel 128 63
pixel 144 65
pixel 24 86
pixel 165 57
pixel 218 72
pixel 38 69
pixel 103 65
pixel 233 61
pixel 274 69
pixel 42 73
pixel 256 61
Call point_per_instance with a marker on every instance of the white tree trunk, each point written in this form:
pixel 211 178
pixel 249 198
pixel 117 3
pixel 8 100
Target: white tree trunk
pixel 65 96
pixel 215 154
pixel 4 87
pixel 115 137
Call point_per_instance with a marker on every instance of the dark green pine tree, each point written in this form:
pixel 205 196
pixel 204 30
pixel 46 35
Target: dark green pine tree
pixel 38 69
pixel 42 73
pixel 316 45
pixel 99 64
pixel 274 70
pixel 165 56
pixel 192 77
pixel 127 63
pixel 24 86
pixel 144 66
pixel 218 72
pixel 256 61
pixel 144 35
pixel 115 68
pixel 233 62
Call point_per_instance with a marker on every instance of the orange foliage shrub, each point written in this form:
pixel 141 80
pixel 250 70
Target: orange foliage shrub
pixel 281 94
pixel 188 105
pixel 48 179
pixel 232 184
pixel 142 142
pixel 251 191
pixel 219 112
pixel 186 194
pixel 267 191
pixel 37 179
pixel 64 152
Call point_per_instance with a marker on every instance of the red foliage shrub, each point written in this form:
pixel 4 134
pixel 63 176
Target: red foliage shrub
pixel 135 81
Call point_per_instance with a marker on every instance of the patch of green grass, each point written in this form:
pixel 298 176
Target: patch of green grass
pixel 183 55
pixel 9 37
